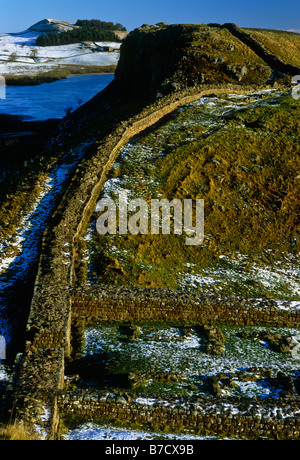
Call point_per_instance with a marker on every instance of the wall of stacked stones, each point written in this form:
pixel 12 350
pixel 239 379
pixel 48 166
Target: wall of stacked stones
pixel 205 415
pixel 271 59
pixel 107 303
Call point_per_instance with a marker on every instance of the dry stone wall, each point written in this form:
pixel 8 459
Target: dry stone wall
pixel 201 415
pixel 92 304
pixel 49 321
pixel 273 61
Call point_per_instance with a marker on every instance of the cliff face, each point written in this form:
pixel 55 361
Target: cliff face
pixel 156 60
pixel 149 56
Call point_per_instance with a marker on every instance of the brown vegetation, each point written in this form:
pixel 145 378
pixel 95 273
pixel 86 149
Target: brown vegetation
pixel 17 431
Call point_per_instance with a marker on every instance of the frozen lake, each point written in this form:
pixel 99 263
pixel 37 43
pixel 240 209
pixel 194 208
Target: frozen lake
pixel 52 100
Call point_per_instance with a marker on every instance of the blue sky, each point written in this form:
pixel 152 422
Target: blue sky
pixel 18 15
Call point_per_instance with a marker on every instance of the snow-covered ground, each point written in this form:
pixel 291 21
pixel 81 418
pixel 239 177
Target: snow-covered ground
pixel 166 350
pixel 93 432
pixel 19 55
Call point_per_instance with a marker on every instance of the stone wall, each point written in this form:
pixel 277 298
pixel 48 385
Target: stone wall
pixel 49 321
pixel 92 304
pixel 204 415
pixel 273 61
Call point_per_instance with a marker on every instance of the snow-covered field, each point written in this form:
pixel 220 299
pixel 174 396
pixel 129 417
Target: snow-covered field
pixel 20 56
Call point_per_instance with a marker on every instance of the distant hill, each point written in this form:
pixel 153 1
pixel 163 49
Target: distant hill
pixel 52 32
pixel 24 61
pixel 47 26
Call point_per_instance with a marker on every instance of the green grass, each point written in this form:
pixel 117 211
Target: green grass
pixel 21 190
pixel 244 162
pixel 285 45
pixel 220 42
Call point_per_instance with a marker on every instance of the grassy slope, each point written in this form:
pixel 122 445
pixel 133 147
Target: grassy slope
pixel 219 42
pixel 207 42
pixel 285 45
pixel 245 164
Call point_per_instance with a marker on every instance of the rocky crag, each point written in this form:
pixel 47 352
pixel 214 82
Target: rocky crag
pixel 157 60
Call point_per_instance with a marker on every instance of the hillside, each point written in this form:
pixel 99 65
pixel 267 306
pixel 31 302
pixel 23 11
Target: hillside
pixel 157 60
pixel 285 45
pixel 47 26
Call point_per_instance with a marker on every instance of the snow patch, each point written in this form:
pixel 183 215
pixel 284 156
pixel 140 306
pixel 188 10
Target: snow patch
pixel 92 431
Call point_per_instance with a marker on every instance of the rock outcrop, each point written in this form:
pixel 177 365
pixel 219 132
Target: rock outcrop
pixel 157 60
pixel 289 344
pixel 214 339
